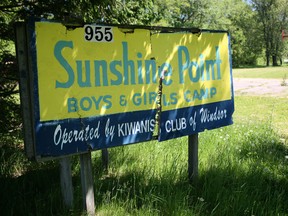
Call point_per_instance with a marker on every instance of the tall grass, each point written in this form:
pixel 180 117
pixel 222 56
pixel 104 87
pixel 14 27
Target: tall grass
pixel 242 171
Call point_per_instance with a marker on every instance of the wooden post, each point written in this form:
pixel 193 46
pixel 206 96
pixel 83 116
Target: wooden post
pixel 26 88
pixel 105 159
pixel 87 183
pixel 193 157
pixel 66 181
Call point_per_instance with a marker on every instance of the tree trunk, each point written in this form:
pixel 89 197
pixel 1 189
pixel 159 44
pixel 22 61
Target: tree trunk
pixel 274 60
pixel 267 59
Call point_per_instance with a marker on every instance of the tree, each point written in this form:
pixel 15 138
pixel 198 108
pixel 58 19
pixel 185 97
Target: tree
pixel 182 13
pixel 272 14
pixel 238 18
pixel 133 12
pixel 10 109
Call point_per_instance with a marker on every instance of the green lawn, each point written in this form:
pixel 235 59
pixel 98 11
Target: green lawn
pixel 263 110
pixel 261 72
pixel 242 171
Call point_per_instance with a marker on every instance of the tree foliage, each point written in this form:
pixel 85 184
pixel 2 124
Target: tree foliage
pixel 237 17
pixel 273 17
pixel 9 108
pixel 183 13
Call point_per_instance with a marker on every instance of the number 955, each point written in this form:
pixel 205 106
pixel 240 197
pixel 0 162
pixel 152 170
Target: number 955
pixel 95 33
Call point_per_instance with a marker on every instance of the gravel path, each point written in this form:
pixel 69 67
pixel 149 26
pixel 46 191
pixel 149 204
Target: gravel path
pixel 263 87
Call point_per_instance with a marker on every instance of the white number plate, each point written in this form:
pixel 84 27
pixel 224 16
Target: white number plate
pixel 94 33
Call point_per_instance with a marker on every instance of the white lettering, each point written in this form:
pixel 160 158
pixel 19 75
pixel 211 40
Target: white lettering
pixel 175 125
pixel 65 136
pixel 137 127
pixel 109 130
pixel 208 116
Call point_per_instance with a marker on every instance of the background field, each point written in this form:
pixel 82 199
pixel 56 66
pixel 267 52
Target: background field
pixel 243 170
pixel 261 72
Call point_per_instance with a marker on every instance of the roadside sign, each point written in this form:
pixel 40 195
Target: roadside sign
pixel 97 86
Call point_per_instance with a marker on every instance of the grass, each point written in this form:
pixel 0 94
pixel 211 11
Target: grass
pixel 263 110
pixel 261 72
pixel 242 171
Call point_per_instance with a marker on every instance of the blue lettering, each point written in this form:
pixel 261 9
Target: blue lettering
pixel 72 105
pixel 213 92
pixel 97 102
pixel 88 103
pixel 201 94
pixel 137 99
pixel 152 97
pixel 139 65
pixel 63 62
pixel 204 93
pixel 173 97
pixel 210 67
pixel 116 72
pixel 106 99
pixel 182 66
pixel 81 83
pixel 201 66
pixel 197 77
pixel 186 96
pixel 196 95
pixel 218 62
pixel 210 64
pixel 126 65
pixel 196 68
pixel 103 65
pixel 150 66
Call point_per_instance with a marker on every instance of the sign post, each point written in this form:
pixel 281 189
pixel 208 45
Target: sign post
pixel 193 158
pixel 105 159
pixel 25 85
pixel 66 181
pixel 87 183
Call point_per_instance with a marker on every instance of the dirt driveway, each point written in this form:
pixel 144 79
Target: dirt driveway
pixel 263 87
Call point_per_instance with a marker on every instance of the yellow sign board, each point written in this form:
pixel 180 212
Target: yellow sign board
pixel 100 70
